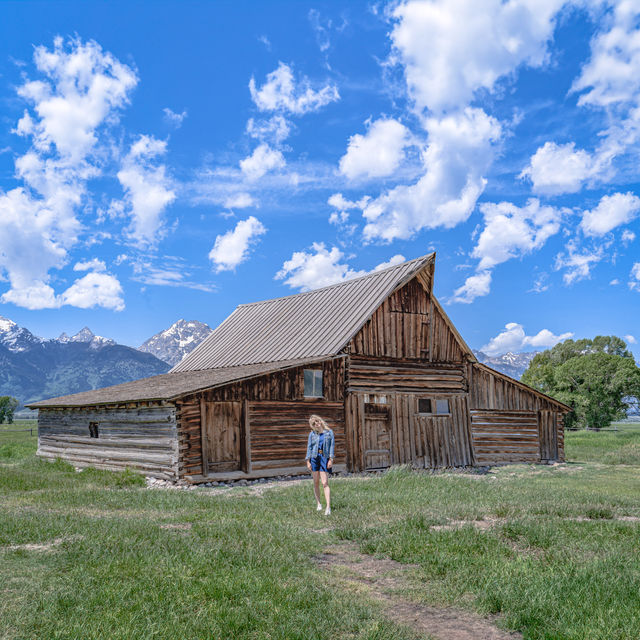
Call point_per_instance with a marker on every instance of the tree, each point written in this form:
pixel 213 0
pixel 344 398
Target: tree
pixel 594 377
pixel 8 405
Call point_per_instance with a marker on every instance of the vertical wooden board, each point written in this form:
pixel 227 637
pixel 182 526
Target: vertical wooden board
pixel 204 437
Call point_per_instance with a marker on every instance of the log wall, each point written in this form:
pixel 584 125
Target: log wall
pixel 141 436
pixel 501 436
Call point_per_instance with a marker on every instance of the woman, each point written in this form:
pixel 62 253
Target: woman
pixel 320 449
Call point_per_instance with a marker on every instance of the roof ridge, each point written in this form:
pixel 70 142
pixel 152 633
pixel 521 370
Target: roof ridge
pixel 338 284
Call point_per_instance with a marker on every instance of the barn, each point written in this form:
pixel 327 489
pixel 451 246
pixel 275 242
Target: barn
pixel 376 356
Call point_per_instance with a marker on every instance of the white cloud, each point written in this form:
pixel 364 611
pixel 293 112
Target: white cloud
pixel 317 268
pixel 450 49
pixel 578 264
pixel 611 212
pixel 73 104
pixel 281 93
pixel 378 153
pixel 634 277
pixel 509 232
pixel 94 290
pixel 240 200
pixel 628 237
pixel 261 161
pixel 83 86
pixel 90 265
pixel 232 248
pixel 609 81
pixel 459 151
pixel 148 190
pixel 556 169
pixel 393 260
pixel 514 339
pixel 474 287
pixel 173 118
pixel 630 339
pixel 614 282
pixel 512 231
pixel 274 129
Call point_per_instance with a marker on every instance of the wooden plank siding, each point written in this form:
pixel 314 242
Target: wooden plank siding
pixel 143 437
pixel 501 436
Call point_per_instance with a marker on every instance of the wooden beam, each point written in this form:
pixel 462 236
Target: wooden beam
pixel 246 438
pixel 203 437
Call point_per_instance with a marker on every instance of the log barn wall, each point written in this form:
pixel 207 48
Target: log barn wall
pixel 142 436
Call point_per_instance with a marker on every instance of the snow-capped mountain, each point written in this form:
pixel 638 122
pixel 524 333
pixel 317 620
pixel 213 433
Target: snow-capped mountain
pixel 86 335
pixel 513 364
pixel 174 343
pixel 16 338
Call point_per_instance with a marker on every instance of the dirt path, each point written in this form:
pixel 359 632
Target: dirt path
pixel 382 576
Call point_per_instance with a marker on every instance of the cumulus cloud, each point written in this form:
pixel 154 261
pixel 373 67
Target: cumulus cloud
pixel 450 49
pixel 611 212
pixel 320 267
pixel 232 248
pixel 514 339
pixel 630 339
pixel 261 161
pixel 240 200
pixel 78 95
pixel 474 286
pixel 610 82
pixel 459 151
pixel 281 92
pixel 509 232
pixel 274 129
pixel 378 153
pixel 148 189
pixel 556 169
pixel 90 265
pixel 94 290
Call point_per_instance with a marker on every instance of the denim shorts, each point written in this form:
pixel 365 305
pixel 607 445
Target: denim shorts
pixel 319 463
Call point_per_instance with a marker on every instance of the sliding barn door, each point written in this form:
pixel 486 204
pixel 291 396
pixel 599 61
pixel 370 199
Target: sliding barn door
pixel 548 434
pixel 377 435
pixel 221 435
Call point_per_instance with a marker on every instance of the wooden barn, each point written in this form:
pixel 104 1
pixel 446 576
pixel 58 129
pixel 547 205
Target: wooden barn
pixel 376 356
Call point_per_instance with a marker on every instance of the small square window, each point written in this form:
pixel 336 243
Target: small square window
pixel 312 383
pixel 424 405
pixel 442 407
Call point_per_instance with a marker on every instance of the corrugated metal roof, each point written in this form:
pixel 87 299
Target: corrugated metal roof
pixel 166 386
pixel 305 325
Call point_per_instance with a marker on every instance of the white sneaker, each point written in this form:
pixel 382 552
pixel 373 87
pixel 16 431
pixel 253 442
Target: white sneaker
pixel 319 507
pixel 327 511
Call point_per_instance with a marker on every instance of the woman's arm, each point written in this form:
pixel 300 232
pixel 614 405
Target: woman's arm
pixel 309 445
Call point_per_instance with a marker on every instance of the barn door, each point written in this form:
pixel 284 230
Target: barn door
pixel 377 435
pixel 548 434
pixel 221 435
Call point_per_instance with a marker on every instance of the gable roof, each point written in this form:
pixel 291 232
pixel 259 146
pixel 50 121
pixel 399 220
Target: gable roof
pixel 167 386
pixel 306 325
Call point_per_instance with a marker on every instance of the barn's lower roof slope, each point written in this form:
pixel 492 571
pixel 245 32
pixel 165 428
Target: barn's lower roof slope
pixel 167 386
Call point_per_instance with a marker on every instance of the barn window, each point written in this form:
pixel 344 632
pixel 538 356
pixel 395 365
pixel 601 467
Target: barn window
pixel 442 407
pixel 433 407
pixel 93 429
pixel 312 383
pixel 424 405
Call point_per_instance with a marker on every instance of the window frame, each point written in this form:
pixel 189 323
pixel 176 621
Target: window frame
pixel 433 403
pixel 314 383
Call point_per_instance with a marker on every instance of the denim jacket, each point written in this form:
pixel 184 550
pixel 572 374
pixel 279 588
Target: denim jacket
pixel 327 447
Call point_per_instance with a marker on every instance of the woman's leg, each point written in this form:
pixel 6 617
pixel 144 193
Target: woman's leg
pixel 324 476
pixel 316 485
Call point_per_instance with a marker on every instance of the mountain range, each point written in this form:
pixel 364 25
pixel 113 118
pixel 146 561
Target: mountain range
pixel 32 368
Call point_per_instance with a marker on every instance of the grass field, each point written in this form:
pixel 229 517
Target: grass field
pixel 553 551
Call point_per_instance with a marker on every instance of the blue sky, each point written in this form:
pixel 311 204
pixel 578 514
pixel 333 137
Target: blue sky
pixel 172 160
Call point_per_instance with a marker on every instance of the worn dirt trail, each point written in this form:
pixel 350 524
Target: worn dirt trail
pixel 382 576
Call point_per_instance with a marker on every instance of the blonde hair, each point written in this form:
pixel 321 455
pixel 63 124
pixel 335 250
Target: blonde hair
pixel 314 420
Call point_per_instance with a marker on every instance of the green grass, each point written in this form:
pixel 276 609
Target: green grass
pixel 557 562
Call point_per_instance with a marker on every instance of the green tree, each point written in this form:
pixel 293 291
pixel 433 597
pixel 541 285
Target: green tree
pixel 8 405
pixel 592 376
